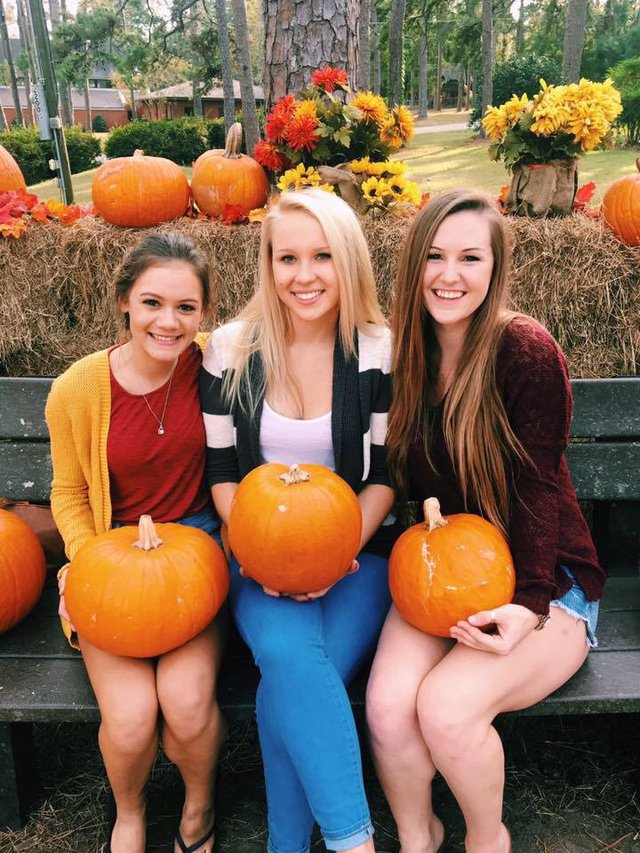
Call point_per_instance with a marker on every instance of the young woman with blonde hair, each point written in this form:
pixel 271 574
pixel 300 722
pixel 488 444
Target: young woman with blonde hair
pixel 302 375
pixel 127 438
pixel 480 419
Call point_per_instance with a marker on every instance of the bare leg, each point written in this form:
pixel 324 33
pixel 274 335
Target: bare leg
pixel 403 762
pixel 193 727
pixel 126 693
pixel 459 700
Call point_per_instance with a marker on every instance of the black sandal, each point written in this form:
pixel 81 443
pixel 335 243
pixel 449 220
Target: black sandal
pixel 193 847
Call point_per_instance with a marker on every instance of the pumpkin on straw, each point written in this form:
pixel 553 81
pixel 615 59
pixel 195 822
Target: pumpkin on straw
pixel 446 568
pixel 295 529
pixel 142 591
pixel 11 177
pixel 621 208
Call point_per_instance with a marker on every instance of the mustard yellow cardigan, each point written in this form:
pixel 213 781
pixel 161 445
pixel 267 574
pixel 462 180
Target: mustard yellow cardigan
pixel 78 414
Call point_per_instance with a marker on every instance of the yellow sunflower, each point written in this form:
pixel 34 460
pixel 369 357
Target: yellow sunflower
pixel 372 107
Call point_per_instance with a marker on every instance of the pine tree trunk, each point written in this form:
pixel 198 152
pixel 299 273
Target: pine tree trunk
pixel 423 75
pixel 4 38
pixel 487 58
pixel 437 99
pixel 301 36
pixel 249 114
pixel 3 119
pixel 574 40
pixel 468 94
pixel 229 105
pixel 364 46
pixel 27 47
pixel 460 88
pixel 375 38
pixel 87 106
pixel 520 30
pixel 132 93
pixel 64 92
pixel 196 96
pixel 396 31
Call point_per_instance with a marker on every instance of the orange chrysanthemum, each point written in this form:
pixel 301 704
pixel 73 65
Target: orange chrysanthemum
pixel 329 78
pixel 268 156
pixel 278 119
pixel 301 133
pixel 372 107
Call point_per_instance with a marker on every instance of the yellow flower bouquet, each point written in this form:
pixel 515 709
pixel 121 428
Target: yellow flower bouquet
pixel 540 139
pixel 559 122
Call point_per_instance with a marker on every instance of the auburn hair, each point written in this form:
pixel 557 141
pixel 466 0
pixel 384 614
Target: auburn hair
pixel 478 436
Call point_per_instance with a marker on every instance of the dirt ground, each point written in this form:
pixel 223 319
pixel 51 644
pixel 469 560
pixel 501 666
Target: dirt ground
pixel 572 786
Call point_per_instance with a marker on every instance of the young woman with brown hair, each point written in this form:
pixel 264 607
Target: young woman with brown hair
pixel 479 419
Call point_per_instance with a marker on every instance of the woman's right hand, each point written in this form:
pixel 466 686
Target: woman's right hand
pixel 62 607
pixel 305 596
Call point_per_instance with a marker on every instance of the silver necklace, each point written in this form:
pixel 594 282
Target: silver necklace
pixel 160 419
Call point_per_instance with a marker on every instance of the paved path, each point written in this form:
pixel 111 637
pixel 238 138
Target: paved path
pixel 436 128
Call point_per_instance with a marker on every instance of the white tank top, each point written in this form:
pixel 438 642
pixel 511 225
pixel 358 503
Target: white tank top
pixel 292 441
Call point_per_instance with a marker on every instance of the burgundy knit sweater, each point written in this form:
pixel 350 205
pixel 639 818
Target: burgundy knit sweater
pixel 546 527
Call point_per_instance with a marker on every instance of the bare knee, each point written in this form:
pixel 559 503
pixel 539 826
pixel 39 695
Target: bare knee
pixel 448 724
pixel 391 710
pixel 189 711
pixel 130 727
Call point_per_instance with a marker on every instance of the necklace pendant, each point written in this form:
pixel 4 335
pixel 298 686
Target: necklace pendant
pixel 160 430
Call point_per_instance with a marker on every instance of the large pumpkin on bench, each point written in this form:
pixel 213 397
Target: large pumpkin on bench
pixel 295 529
pixel 22 570
pixel 446 568
pixel 142 591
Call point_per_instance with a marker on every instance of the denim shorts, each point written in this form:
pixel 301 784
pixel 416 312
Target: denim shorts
pixel 575 603
pixel 204 520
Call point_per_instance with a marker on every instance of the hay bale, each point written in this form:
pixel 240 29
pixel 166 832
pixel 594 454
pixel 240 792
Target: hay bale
pixel 56 302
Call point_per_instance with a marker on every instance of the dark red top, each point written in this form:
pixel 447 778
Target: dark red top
pixel 546 528
pixel 162 475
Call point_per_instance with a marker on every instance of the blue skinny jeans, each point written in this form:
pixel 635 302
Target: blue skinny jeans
pixel 307 653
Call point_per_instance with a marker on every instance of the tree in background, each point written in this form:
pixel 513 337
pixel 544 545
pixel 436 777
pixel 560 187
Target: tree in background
pixel 300 37
pixel 573 44
pixel 13 80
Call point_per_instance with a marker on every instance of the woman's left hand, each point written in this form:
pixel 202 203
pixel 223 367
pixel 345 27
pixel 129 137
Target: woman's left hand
pixel 311 596
pixel 513 623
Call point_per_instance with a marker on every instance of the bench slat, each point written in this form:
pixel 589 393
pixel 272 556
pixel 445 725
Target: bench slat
pixel 600 472
pixel 25 471
pixel 22 402
pixel 606 409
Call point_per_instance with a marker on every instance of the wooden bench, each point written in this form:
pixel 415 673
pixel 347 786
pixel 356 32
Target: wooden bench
pixel 43 680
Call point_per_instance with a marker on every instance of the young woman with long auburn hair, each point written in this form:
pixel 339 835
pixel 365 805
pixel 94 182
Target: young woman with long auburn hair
pixel 303 375
pixel 480 418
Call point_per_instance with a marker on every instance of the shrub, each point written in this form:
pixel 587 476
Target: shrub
pixel 215 133
pixel 516 76
pixel 83 149
pixel 99 124
pixel 626 76
pixel 25 147
pixel 181 140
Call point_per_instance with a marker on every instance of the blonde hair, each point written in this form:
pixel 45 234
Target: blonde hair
pixel 476 429
pixel 267 327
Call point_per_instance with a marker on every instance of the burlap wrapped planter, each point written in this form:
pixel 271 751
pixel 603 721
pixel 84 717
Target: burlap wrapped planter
pixel 543 189
pixel 56 304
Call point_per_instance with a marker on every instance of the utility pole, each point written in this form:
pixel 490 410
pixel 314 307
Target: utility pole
pixel 45 97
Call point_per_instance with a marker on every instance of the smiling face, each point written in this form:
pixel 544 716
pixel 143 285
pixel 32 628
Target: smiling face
pixel 458 271
pixel 165 307
pixel 304 273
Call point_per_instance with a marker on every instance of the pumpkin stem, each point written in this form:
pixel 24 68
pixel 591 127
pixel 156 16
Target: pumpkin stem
pixel 432 516
pixel 638 163
pixel 294 475
pixel 149 539
pixel 138 152
pixel 234 141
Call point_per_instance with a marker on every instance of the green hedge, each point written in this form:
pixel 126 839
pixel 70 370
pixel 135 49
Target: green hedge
pixel 182 140
pixel 33 156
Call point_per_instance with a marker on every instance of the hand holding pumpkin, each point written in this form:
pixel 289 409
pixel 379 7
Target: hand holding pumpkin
pixel 62 605
pixel 513 622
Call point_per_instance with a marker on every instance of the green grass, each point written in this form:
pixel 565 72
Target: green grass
pixel 448 159
pixel 438 161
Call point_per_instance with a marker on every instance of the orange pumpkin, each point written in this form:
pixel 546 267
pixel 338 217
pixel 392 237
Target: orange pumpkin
pixel 621 208
pixel 224 177
pixel 11 177
pixel 295 529
pixel 446 568
pixel 22 570
pixel 142 591
pixel 140 191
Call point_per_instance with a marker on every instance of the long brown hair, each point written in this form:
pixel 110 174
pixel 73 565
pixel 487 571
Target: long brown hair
pixel 477 433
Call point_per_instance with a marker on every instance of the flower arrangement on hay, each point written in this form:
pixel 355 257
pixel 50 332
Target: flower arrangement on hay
pixel 329 136
pixel 540 139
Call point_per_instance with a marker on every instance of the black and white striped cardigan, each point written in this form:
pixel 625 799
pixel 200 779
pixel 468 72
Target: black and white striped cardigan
pixel 360 404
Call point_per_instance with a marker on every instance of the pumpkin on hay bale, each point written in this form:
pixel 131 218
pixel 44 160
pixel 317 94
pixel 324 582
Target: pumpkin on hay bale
pixel 142 591
pixel 295 529
pixel 446 568
pixel 11 177
pixel 621 207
